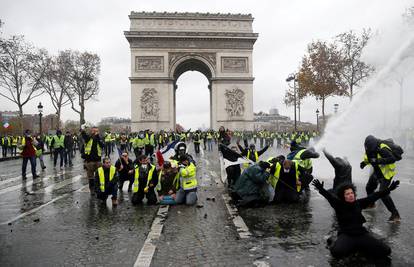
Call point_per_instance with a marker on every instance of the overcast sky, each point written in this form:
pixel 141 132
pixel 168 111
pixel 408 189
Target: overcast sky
pixel 285 28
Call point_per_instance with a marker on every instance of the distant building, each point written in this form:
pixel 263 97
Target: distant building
pixel 117 124
pixel 275 122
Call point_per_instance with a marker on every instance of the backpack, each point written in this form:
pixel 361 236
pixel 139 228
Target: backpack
pixel 396 150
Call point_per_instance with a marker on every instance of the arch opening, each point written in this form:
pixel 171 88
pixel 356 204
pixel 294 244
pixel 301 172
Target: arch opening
pixel 191 110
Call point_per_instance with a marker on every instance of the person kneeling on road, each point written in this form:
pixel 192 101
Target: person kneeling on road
pixel 187 180
pixel 145 180
pixel 284 179
pixel 251 189
pixel 352 235
pixel 106 181
pixel 167 184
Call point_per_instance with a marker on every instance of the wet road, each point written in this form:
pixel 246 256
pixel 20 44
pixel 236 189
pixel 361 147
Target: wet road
pixel 53 221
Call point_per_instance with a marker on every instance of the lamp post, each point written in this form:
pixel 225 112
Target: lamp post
pixel 288 79
pixel 317 120
pixel 336 108
pixel 40 109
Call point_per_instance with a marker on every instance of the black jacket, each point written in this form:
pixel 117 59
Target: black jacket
pixel 343 170
pixel 97 141
pixel 244 152
pixel 349 215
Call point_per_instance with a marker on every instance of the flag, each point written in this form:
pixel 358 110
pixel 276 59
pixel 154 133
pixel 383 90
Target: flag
pixel 165 153
pixel 231 157
pixel 6 125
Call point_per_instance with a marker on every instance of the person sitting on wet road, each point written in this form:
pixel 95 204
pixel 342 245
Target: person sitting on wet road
pixel 125 168
pixel 167 184
pixel 145 180
pixel 343 170
pixel 352 235
pixel 284 180
pixel 251 189
pixel 303 157
pixel 106 181
pixel 250 152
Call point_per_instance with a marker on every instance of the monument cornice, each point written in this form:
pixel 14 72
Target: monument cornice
pixel 189 15
pixel 176 34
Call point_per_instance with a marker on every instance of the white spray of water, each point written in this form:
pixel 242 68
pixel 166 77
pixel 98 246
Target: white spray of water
pixel 375 110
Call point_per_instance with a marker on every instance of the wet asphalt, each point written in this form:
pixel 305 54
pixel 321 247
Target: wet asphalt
pixel 53 221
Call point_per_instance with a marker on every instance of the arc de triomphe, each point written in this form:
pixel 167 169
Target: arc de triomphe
pixel 165 45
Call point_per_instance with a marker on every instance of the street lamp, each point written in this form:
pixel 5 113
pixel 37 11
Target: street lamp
pixel 288 79
pixel 40 109
pixel 317 120
pixel 336 108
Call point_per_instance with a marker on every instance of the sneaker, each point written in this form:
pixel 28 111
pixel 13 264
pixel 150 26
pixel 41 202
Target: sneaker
pixel 114 202
pixel 36 176
pixel 394 218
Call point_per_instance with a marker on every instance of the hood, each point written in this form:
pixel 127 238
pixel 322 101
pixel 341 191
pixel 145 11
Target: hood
pixel 371 144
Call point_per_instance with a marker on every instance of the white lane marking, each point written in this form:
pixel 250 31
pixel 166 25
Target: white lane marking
pixel 241 226
pixel 40 207
pixel 238 221
pixel 261 264
pixel 19 178
pixel 147 251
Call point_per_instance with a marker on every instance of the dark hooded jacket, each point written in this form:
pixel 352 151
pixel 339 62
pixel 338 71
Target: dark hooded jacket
pixel 251 184
pixel 372 149
pixel 343 170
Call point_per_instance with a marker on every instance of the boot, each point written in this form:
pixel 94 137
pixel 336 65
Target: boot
pixel 394 218
pixel 114 202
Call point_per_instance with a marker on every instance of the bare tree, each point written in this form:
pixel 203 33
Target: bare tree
pixel 354 70
pixel 290 98
pixel 21 68
pixel 319 74
pixel 55 82
pixel 84 83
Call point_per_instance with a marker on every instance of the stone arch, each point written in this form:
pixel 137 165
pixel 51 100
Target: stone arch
pixel 165 45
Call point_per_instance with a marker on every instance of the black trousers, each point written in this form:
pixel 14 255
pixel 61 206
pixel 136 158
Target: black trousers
pixel 372 184
pixel 197 147
pixel 123 179
pixel 365 244
pixel 286 195
pixel 108 149
pixel 139 196
pixel 233 173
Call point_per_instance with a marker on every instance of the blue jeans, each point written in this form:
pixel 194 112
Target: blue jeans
pixel 188 197
pixel 32 164
pixel 209 144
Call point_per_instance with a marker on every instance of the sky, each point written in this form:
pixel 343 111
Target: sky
pixel 285 29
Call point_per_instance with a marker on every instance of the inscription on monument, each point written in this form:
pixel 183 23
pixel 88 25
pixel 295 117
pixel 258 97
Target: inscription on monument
pixel 149 104
pixel 149 63
pixel 234 102
pixel 234 64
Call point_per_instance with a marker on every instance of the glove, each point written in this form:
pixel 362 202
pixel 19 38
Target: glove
pixel 317 184
pixel 394 185
pixel 83 126
pixel 362 164
pixel 181 166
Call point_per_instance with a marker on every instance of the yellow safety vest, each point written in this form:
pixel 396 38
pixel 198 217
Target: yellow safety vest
pixel 108 138
pixel 304 163
pixel 256 159
pixel 138 143
pixel 88 148
pixel 275 178
pixel 59 141
pixel 101 175
pixel 136 180
pixel 387 170
pixel 188 177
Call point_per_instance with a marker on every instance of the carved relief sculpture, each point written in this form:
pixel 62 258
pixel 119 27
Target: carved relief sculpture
pixel 234 64
pixel 149 104
pixel 152 63
pixel 234 102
